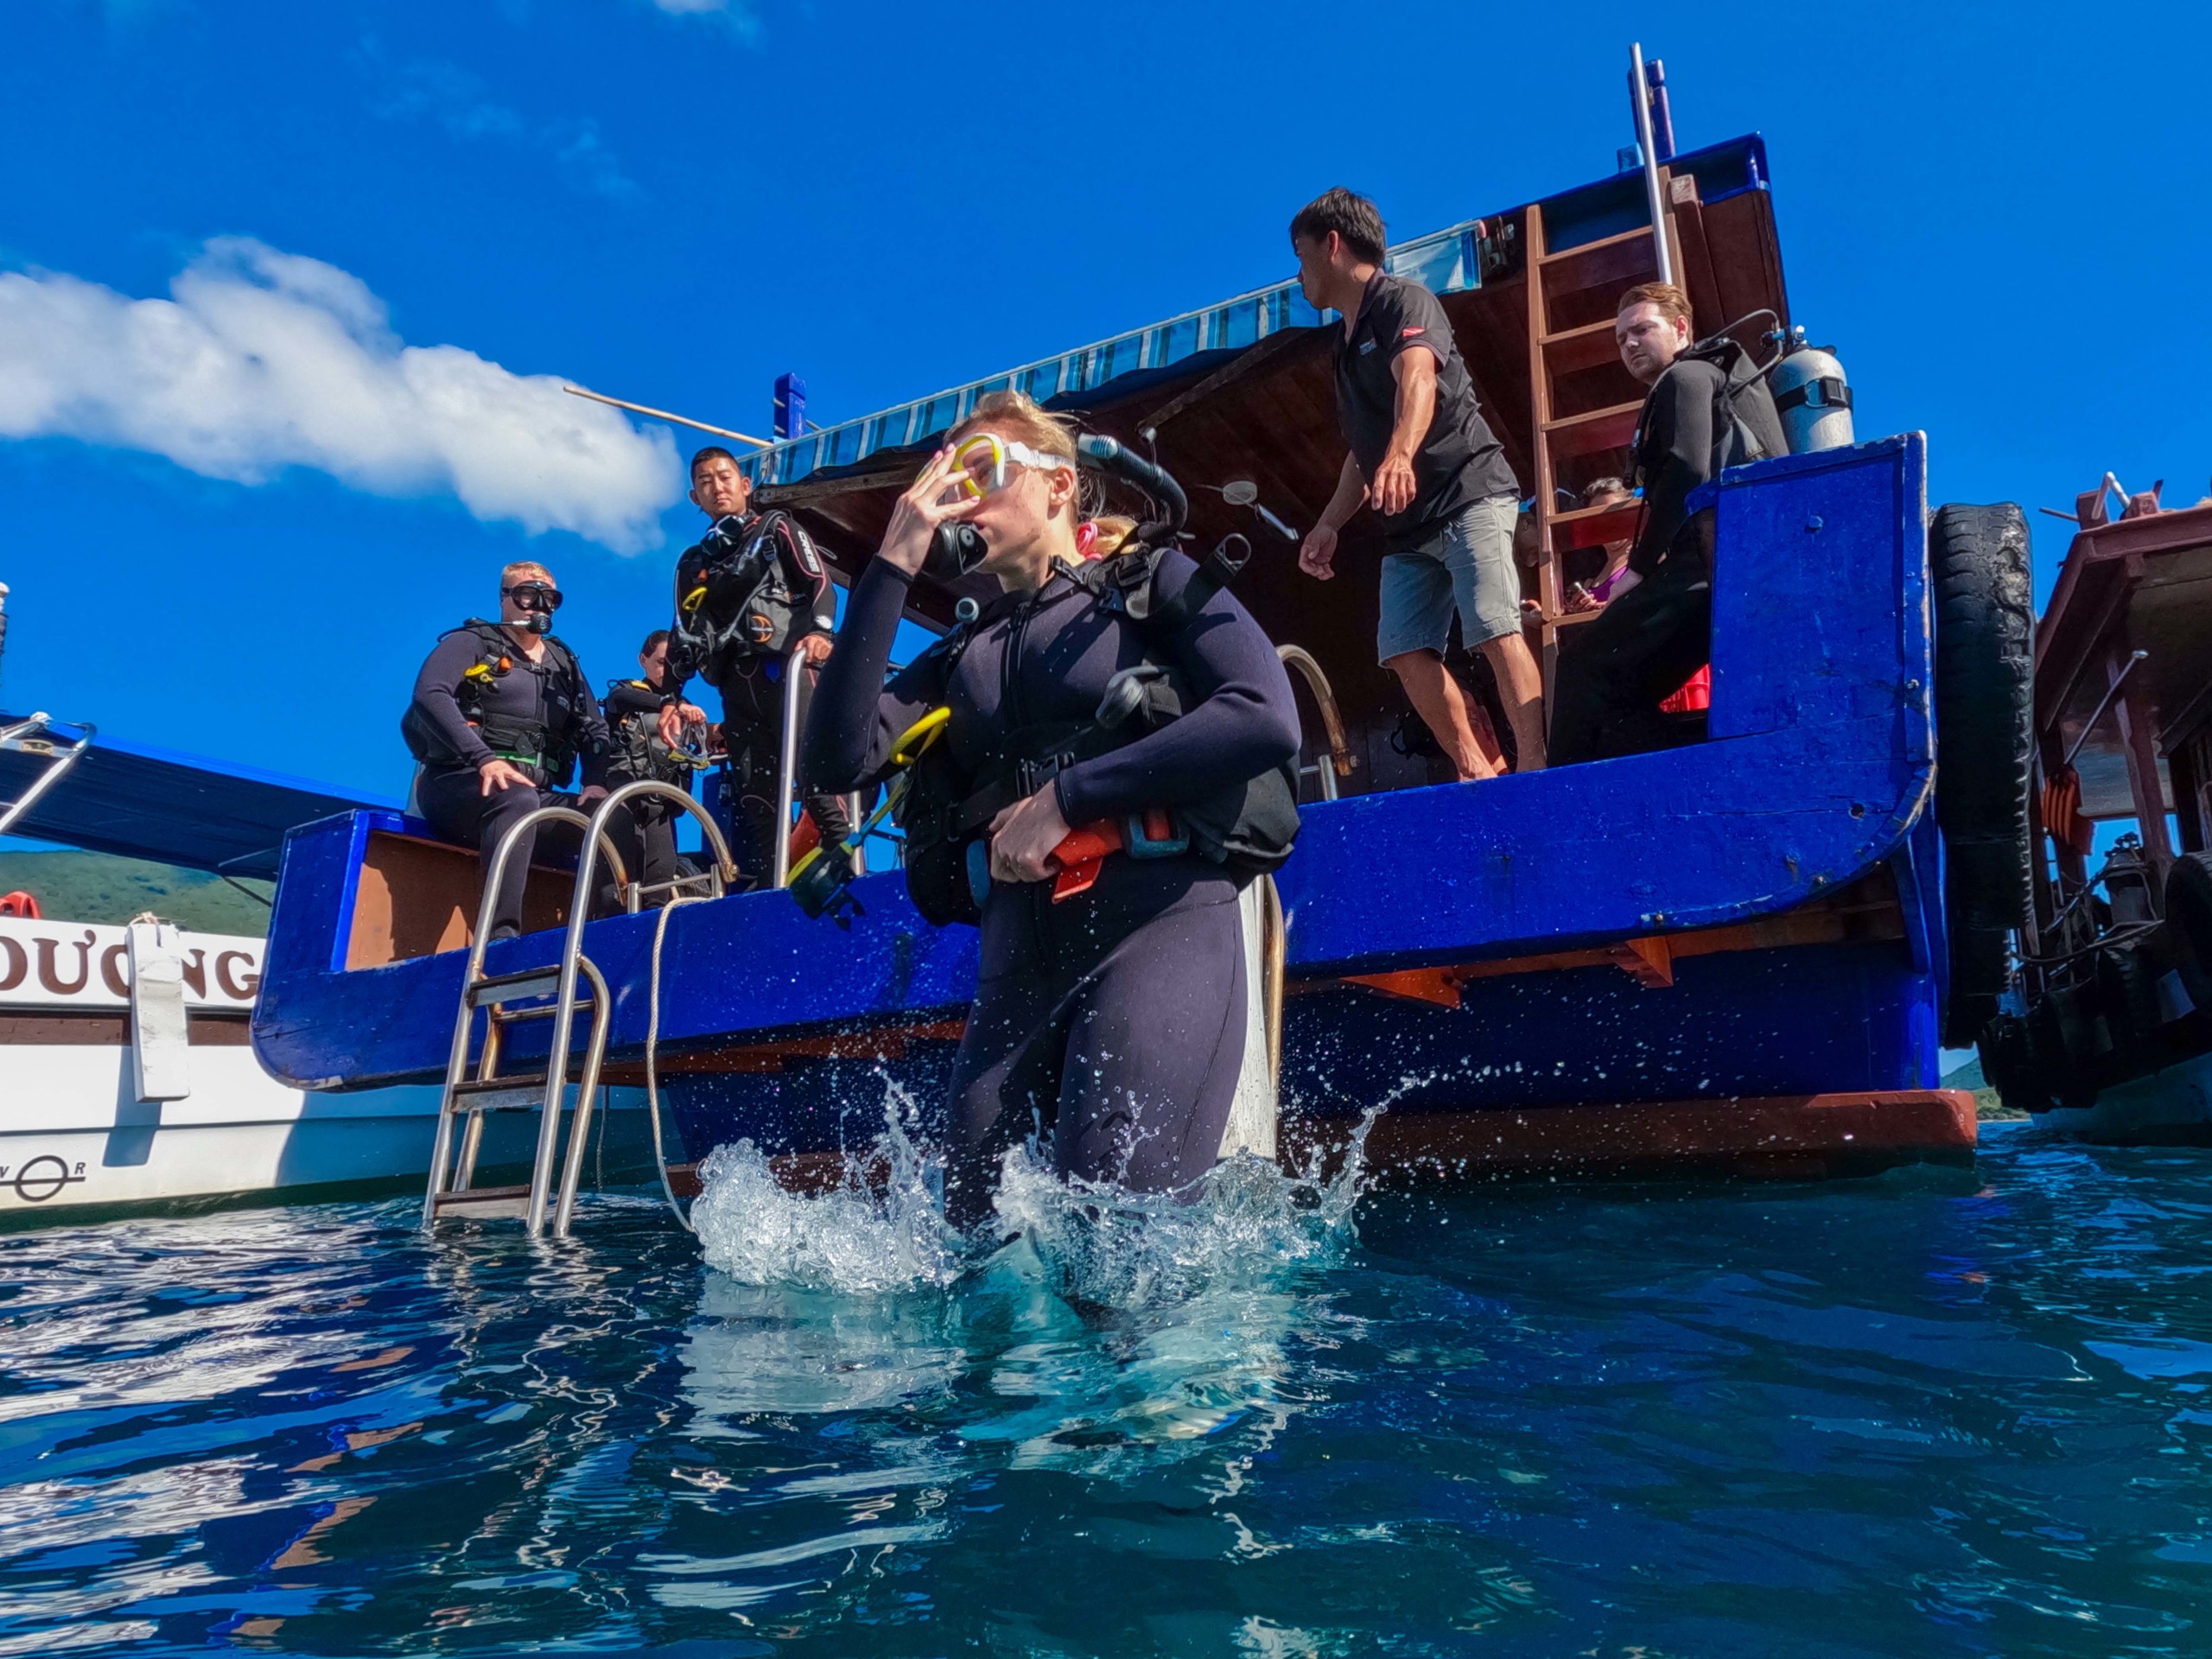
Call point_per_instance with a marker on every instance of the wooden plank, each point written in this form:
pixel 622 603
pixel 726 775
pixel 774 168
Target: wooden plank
pixel 1693 266
pixel 2138 736
pixel 1587 348
pixel 1783 1135
pixel 1256 358
pixel 1588 435
pixel 1866 913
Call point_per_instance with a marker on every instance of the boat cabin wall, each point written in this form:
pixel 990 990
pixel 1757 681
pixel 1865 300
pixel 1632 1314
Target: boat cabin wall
pixel 414 896
pixel 1268 417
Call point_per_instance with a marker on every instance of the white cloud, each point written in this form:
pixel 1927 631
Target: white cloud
pixel 739 14
pixel 264 361
pixel 456 100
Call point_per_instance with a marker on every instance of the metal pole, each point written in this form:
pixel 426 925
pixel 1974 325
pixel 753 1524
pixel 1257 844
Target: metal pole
pixel 2111 691
pixel 1660 255
pixel 663 415
pixel 788 764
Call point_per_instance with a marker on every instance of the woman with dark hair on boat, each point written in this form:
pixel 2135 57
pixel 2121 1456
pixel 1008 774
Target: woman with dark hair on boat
pixel 1114 1018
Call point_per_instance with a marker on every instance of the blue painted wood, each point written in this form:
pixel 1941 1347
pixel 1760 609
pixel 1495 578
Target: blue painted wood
pixel 1820 767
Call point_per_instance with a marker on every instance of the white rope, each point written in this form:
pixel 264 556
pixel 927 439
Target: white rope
pixel 652 1042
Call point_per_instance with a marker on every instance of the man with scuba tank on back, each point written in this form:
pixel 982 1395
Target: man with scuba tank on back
pixel 500 716
pixel 637 752
pixel 1102 759
pixel 1709 408
pixel 750 591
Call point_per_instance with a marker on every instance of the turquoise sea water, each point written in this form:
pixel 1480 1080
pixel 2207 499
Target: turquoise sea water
pixel 1936 1412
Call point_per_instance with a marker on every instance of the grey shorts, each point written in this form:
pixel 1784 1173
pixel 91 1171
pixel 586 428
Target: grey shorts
pixel 1467 564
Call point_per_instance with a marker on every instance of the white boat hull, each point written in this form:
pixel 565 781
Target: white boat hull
pixel 71 1133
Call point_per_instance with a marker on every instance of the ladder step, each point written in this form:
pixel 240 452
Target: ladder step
pixel 543 1011
pixel 1572 350
pixel 1594 527
pixel 1613 262
pixel 530 982
pixel 522 1083
pixel 1587 434
pixel 490 1202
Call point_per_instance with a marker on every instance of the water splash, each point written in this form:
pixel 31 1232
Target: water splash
pixel 1249 1223
pixel 881 1229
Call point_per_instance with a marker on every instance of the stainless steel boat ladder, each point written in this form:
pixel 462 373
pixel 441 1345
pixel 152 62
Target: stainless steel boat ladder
pixel 475 1086
pixel 37 736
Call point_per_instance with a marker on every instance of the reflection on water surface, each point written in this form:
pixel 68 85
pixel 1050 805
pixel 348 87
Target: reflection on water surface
pixel 1937 1412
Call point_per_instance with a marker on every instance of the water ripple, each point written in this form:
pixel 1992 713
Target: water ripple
pixel 1938 1412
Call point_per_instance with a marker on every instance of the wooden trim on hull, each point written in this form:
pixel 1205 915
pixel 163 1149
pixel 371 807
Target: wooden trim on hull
pixel 1780 1135
pixel 70 1029
pixel 1784 1137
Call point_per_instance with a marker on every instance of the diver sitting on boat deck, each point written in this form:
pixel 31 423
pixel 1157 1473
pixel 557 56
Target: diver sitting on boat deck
pixel 501 713
pixel 637 750
pixel 1421 454
pixel 751 589
pixel 1708 408
pixel 1114 1012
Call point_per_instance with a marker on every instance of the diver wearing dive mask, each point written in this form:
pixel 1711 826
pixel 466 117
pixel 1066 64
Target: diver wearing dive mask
pixel 1111 1009
pixel 500 716
pixel 536 600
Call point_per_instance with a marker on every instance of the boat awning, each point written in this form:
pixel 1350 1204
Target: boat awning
pixel 2139 584
pixel 142 801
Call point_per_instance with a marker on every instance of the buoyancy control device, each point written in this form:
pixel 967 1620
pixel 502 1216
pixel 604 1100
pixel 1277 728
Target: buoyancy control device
pixel 737 599
pixel 548 743
pixel 1248 826
pixel 1745 426
pixel 636 750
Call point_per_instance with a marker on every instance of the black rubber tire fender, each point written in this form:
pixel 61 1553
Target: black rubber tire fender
pixel 1985 746
pixel 2008 1062
pixel 2189 927
pixel 2128 994
pixel 2063 1038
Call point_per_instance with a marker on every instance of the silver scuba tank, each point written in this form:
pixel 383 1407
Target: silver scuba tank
pixel 1812 395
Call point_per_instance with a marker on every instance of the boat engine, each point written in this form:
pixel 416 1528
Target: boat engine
pixel 1812 395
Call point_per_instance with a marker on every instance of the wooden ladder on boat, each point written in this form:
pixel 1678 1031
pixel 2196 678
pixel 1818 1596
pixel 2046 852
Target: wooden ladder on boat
pixel 475 1086
pixel 1586 403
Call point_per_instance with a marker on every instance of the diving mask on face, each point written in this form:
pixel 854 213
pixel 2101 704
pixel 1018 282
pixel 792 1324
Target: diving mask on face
pixel 537 600
pixel 980 462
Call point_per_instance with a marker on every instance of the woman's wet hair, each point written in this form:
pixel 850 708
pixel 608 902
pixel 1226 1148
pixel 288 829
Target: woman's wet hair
pixel 1110 532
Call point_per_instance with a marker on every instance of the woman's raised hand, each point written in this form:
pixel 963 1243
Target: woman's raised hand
pixel 934 499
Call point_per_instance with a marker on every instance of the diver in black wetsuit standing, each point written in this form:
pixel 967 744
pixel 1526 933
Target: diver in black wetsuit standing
pixel 750 590
pixel 500 716
pixel 1115 1015
pixel 636 753
pixel 1706 409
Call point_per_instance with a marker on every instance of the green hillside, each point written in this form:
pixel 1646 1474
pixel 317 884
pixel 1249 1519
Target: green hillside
pixel 77 887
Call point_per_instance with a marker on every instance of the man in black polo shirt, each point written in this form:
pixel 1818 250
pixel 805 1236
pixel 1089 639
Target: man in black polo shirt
pixel 1423 457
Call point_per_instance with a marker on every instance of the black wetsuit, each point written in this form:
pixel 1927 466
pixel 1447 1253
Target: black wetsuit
pixel 550 694
pixel 632 711
pixel 1649 640
pixel 753 687
pixel 1116 1016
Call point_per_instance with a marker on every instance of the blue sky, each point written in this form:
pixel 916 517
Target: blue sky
pixel 234 526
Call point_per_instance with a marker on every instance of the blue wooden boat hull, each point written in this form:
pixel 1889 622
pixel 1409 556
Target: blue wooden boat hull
pixel 1817 778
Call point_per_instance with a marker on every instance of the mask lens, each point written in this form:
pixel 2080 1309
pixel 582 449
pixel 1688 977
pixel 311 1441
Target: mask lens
pixel 534 596
pixel 981 463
